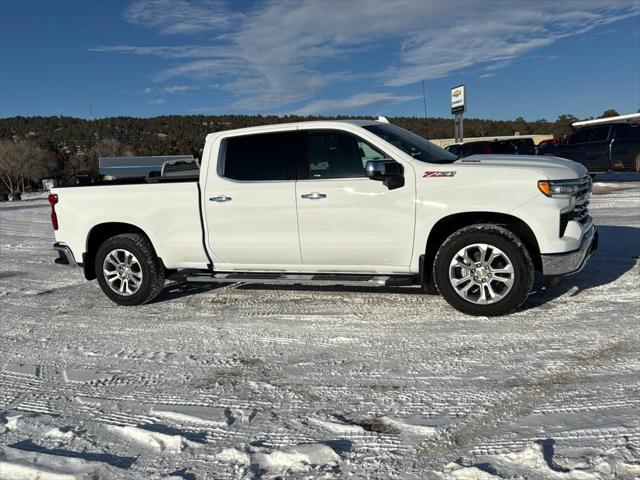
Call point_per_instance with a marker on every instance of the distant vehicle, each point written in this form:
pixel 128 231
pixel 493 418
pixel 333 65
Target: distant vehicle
pixel 359 202
pixel 610 146
pixel 515 146
pixel 545 143
pixel 142 166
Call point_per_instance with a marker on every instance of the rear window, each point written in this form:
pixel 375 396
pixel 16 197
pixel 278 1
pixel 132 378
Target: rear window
pixel 503 148
pixel 268 156
pixel 524 146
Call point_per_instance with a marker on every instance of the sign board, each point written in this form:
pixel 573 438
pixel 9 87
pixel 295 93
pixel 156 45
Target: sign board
pixel 458 100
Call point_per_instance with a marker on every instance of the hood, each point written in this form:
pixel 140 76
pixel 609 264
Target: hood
pixel 554 168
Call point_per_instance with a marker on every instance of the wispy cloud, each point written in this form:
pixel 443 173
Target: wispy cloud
pixel 182 51
pixel 168 89
pixel 495 40
pixel 278 54
pixel 178 88
pixel 355 102
pixel 181 16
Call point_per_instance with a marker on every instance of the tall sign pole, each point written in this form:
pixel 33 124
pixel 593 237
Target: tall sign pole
pixel 458 107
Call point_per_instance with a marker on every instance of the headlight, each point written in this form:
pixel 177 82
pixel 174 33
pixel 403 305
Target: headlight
pixel 559 188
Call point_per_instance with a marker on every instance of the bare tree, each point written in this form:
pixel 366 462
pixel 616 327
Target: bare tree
pixel 9 167
pixel 79 162
pixel 21 163
pixel 76 163
pixel 107 147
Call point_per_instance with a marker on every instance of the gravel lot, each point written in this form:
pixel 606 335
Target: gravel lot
pixel 255 381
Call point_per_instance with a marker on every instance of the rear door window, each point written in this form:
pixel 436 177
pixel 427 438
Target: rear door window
pixel 268 156
pixel 599 134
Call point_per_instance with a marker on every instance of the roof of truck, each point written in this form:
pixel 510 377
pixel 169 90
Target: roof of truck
pixel 632 117
pixel 291 125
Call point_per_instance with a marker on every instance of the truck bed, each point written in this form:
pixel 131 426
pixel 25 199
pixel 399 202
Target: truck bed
pixel 166 211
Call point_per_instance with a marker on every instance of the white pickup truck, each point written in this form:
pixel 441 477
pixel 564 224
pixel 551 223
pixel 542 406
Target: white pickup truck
pixel 355 202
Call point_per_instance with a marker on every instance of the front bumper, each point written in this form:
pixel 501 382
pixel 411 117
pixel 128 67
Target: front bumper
pixel 65 255
pixel 561 264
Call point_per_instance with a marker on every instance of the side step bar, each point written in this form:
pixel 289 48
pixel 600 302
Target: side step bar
pixel 306 278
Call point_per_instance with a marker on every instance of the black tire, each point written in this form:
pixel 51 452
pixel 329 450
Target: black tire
pixel 152 270
pixel 498 237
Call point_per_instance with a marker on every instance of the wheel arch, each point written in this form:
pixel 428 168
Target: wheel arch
pixel 449 224
pixel 98 235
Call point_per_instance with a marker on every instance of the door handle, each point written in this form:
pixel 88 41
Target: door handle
pixel 314 195
pixel 220 198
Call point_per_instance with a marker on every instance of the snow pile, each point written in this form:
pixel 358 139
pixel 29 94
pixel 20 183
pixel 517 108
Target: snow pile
pixel 296 459
pixel 191 414
pixel 17 464
pixel 59 434
pixel 534 463
pixel 233 456
pixel 160 442
pixel 339 428
pixel 411 426
pixel 10 422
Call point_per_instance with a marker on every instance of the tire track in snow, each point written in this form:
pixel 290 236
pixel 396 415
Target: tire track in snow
pixel 451 444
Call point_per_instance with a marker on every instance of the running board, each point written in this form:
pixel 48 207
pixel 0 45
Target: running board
pixel 306 278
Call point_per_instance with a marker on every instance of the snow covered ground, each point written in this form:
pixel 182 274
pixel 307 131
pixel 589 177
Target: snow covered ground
pixel 252 381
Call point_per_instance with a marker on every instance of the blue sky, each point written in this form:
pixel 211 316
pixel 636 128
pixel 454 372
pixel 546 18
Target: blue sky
pixel 154 57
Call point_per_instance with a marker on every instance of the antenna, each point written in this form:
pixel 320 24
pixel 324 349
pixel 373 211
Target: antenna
pixel 426 122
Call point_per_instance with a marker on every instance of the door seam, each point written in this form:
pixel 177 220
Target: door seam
pixel 295 199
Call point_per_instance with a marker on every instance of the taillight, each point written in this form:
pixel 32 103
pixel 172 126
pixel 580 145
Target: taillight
pixel 53 199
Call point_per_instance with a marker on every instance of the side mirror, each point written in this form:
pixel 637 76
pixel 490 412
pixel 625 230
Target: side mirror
pixel 388 171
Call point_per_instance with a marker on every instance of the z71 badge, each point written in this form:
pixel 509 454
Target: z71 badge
pixel 443 173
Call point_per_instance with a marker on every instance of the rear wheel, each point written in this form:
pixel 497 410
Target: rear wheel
pixel 484 270
pixel 128 270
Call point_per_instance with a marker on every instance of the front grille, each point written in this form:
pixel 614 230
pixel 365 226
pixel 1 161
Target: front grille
pixel 580 212
pixel 581 209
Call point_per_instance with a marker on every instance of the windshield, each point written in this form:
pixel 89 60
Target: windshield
pixel 412 144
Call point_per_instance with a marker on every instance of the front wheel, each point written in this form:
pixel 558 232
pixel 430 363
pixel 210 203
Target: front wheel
pixel 128 270
pixel 483 270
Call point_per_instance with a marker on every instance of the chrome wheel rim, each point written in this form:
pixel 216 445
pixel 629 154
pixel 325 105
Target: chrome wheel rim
pixel 481 273
pixel 122 271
